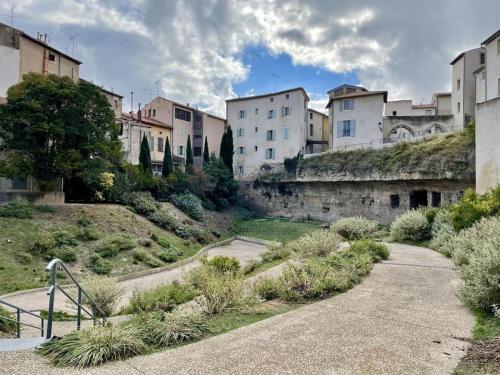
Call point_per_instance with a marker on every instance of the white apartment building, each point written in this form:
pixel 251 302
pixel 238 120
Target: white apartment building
pixel 267 129
pixel 488 116
pixel 356 116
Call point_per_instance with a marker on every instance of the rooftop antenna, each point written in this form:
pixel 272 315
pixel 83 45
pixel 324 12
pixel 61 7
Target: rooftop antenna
pixel 150 92
pixel 131 102
pixel 275 75
pixel 74 44
pixel 157 82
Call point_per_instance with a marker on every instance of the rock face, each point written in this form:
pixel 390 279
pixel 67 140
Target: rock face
pixel 330 200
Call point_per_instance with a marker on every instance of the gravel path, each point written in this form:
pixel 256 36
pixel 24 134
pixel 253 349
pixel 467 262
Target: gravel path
pixel 402 319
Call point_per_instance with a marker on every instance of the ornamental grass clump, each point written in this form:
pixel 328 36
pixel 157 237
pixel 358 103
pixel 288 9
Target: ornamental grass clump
pixel 190 204
pixel 104 291
pixel 410 226
pixel 94 346
pixel 163 298
pixel 355 228
pixel 319 243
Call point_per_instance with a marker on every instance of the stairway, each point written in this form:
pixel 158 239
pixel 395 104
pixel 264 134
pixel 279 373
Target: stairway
pixel 24 343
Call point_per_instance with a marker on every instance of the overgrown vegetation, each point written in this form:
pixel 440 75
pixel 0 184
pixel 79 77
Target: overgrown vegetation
pixel 104 291
pixel 189 204
pixel 412 225
pixel 355 228
pixel 162 298
pixel 7 326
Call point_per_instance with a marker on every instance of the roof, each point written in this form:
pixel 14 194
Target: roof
pixel 270 94
pixel 491 38
pixel 103 89
pixel 45 45
pixel 429 105
pixel 146 121
pixel 357 95
pixel 186 107
pixel 316 111
pixel 348 86
pixel 462 55
pixel 442 94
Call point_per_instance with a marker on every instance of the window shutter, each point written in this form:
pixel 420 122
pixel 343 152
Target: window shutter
pixel 339 129
pixel 353 128
pixel 341 105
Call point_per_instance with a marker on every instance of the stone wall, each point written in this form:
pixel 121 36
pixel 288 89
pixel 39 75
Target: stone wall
pixel 332 200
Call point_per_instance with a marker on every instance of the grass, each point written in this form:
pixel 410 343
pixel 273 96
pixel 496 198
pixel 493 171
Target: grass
pixel 274 229
pixel 486 326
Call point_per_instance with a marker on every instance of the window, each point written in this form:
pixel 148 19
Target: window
pixel 256 129
pixel 120 128
pixel 348 105
pixel 311 130
pixel 240 170
pixel 272 114
pixel 310 115
pixel 271 99
pixel 270 153
pixel 287 96
pixel 458 107
pixel 181 150
pixel 241 113
pixel 157 167
pixel 149 112
pixel 256 111
pixel 458 84
pixel 285 133
pixel 19 183
pixel 270 135
pixel 346 128
pixel 197 136
pixel 241 150
pixel 394 201
pixel 255 148
pixel 240 132
pixel 418 198
pixel 160 144
pixel 436 199
pixel 394 113
pixel 197 151
pixel 428 112
pixel 481 58
pixel 182 114
pixel 154 112
pixel 52 57
pixel 285 111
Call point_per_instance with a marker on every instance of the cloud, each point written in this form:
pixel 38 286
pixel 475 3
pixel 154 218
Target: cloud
pixel 191 50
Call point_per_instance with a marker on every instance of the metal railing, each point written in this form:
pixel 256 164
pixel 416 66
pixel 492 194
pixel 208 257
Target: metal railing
pixel 52 268
pixel 18 321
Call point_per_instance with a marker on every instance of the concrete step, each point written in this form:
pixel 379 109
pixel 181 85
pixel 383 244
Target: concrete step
pixel 24 343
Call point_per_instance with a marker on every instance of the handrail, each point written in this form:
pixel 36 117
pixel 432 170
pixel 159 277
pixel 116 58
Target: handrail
pixel 52 268
pixel 18 318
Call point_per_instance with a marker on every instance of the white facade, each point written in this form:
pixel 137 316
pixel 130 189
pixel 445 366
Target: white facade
pixel 9 68
pixel 267 129
pixel 407 108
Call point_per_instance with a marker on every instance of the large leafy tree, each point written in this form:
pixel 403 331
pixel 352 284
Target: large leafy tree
pixel 206 152
pixel 189 156
pixel 145 156
pixel 227 148
pixel 226 187
pixel 167 167
pixel 53 128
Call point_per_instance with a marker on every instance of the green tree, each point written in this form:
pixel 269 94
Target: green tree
pixel 167 167
pixel 206 153
pixel 227 148
pixel 226 187
pixel 189 156
pixel 145 156
pixel 53 128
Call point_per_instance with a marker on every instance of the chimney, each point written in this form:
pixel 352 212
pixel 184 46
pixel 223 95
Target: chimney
pixel 139 113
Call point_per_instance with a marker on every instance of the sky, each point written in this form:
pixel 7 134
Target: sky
pixel 203 52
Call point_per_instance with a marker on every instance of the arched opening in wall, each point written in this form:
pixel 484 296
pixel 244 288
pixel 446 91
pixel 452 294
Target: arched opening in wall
pixel 418 198
pixel 401 133
pixel 436 199
pixel 435 129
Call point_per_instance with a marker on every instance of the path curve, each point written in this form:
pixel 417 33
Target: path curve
pixel 402 319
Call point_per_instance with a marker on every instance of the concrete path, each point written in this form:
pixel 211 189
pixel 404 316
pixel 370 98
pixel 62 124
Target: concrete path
pixel 402 319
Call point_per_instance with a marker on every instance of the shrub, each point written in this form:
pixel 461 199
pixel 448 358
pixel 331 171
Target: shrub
pixel 64 238
pixel 412 225
pixel 189 204
pixel 472 207
pixel 114 244
pixel 163 219
pixel 93 346
pixel 168 256
pixel 171 328
pixel 224 264
pixel 477 254
pixel 43 244
pixel 104 291
pixel 274 253
pixel 355 228
pixel 162 298
pixel 24 258
pixel 143 203
pixel 85 221
pixel 18 208
pixel 267 288
pixel 319 243
pixel 377 251
pixel 442 233
pixel 192 232
pixel 98 265
pixel 88 233
pixel 56 244
pixel 144 256
pixel 65 253
pixel 7 326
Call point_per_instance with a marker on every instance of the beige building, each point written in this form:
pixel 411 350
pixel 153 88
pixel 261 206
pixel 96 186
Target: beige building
pixel 115 100
pixel 187 121
pixel 317 132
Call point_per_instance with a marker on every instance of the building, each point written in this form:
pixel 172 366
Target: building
pixel 131 130
pixel 356 116
pixel 115 100
pixel 21 54
pixel 267 129
pixel 187 121
pixel 317 132
pixel 487 100
pixel 463 92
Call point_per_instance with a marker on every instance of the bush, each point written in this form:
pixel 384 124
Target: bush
pixel 66 254
pixel 291 164
pixel 112 245
pixel 163 219
pixel 18 208
pixel 162 298
pixel 472 207
pixel 88 233
pixel 85 221
pixel 24 258
pixel 144 256
pixel 355 228
pixel 275 253
pixel 319 243
pixel 377 251
pixel 55 244
pixel 442 233
pixel 168 256
pixel 224 264
pixel 104 291
pixel 93 346
pixel 192 232
pixel 98 265
pixel 412 225
pixel 64 238
pixel 7 326
pixel 143 203
pixel 171 328
pixel 477 255
pixel 267 288
pixel 189 204
pixel 43 244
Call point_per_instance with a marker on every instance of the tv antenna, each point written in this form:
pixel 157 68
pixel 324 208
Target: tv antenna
pixel 157 83
pixel 74 44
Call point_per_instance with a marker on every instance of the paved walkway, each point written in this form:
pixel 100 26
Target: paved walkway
pixel 402 319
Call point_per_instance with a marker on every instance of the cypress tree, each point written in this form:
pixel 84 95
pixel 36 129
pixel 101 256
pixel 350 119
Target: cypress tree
pixel 145 156
pixel 189 156
pixel 223 142
pixel 228 160
pixel 206 153
pixel 167 167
